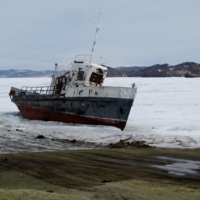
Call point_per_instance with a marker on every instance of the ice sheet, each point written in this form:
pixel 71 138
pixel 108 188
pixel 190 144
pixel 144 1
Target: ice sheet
pixel 165 114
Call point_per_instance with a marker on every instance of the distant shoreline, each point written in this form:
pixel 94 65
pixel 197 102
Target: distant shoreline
pixel 188 69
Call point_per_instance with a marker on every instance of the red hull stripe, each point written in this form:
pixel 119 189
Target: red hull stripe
pixel 49 115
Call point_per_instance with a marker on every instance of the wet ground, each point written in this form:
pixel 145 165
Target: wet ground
pixel 180 167
pixel 106 173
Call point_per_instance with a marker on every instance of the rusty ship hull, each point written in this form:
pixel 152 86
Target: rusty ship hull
pixel 77 96
pixel 80 110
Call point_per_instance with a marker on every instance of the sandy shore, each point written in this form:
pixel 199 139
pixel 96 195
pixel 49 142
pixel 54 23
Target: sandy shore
pixel 101 174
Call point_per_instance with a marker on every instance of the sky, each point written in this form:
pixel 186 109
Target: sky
pixel 36 34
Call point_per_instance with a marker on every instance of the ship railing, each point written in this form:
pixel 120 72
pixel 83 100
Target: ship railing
pixel 43 90
pixel 86 59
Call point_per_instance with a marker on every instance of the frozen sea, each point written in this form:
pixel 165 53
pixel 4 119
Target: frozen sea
pixel 166 113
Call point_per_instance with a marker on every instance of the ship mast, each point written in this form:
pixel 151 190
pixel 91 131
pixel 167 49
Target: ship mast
pixel 97 29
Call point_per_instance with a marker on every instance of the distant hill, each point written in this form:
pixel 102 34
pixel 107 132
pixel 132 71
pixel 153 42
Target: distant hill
pixel 24 73
pixel 187 69
pixel 129 68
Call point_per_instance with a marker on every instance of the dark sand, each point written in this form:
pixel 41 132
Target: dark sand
pixel 99 174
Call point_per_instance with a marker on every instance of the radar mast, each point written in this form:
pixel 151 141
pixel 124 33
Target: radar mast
pixel 97 29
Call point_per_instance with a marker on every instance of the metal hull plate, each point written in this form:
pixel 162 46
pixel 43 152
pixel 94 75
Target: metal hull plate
pixel 49 115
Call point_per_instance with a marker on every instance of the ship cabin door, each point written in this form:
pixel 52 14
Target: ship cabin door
pixel 58 84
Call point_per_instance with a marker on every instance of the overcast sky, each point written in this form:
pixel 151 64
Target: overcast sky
pixel 35 34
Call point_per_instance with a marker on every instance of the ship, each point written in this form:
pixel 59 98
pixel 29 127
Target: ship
pixel 77 95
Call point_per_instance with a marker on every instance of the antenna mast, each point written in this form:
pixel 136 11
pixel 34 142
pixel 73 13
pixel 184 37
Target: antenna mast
pixel 97 29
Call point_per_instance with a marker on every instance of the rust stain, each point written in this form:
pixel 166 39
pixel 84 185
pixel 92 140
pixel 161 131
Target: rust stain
pixel 12 93
pixel 96 78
